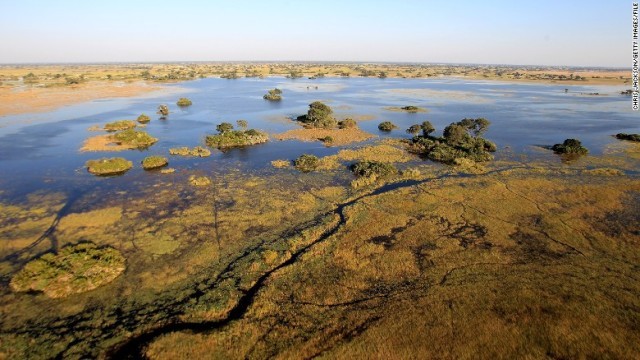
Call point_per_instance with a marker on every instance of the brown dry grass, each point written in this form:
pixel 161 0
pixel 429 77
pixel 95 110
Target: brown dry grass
pixel 340 136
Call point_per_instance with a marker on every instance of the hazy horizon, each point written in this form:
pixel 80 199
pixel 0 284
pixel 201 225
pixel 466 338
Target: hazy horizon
pixel 546 33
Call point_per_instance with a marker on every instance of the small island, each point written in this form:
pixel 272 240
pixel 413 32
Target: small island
pixel 570 146
pixel 183 102
pixel 108 166
pixel 120 125
pixel 154 162
pixel 227 137
pixel 273 95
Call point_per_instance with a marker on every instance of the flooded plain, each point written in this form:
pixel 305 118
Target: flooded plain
pixel 262 262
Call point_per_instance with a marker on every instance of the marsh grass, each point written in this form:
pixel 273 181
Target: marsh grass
pixel 135 139
pixel 120 125
pixel 154 162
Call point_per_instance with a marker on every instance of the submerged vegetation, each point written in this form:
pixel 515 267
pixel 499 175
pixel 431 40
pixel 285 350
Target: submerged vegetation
pixel 133 138
pixel 109 166
pixel 199 180
pixel 75 269
pixel 570 146
pixel 154 162
pixel 460 140
pixel 198 151
pixel 273 95
pixel 120 125
pixel 306 163
pixel 229 138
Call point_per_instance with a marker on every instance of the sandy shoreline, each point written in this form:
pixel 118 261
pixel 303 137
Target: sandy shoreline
pixel 21 100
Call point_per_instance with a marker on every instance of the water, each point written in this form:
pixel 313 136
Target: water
pixel 41 150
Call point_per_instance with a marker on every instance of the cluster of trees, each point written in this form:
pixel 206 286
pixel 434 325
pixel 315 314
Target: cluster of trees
pixel 319 115
pixel 570 146
pixel 273 95
pixel 629 137
pixel 462 139
pixel 227 137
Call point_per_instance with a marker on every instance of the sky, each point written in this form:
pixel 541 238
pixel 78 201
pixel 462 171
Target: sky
pixel 543 32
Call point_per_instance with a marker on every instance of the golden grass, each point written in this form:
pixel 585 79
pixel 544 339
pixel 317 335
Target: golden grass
pixel 340 136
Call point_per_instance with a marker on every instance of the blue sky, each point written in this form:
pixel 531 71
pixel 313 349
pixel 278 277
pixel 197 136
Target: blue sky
pixel 581 33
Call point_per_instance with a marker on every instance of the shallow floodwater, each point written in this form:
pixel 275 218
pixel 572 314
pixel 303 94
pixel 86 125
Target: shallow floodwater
pixel 40 151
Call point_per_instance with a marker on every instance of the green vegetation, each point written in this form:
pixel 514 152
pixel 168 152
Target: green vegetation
pixel 198 151
pixel 319 115
pixel 368 168
pixel 242 124
pixel 410 108
pixel 163 110
pixel 273 95
pixel 386 126
pixel 327 140
pixel 133 138
pixel 629 137
pixel 224 127
pixel 280 164
pixel 228 138
pixel 120 125
pixel 143 119
pixel 306 163
pixel 460 140
pixel 182 102
pixel 414 129
pixel 154 162
pixel 75 269
pixel 109 166
pixel 570 146
pixel 347 123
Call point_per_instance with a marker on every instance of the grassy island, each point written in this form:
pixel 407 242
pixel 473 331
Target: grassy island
pixel 111 166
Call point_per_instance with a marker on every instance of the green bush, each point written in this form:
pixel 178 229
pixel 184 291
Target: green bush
pixel 163 110
pixel 327 139
pixel 414 129
pixel 570 146
pixel 410 108
pixel 319 115
pixel 386 126
pixel 629 137
pixel 138 139
pixel 120 125
pixel 154 162
pixel 112 166
pixel 224 127
pixel 236 138
pixel 242 124
pixel 273 95
pixel 184 102
pixel 143 119
pixel 347 123
pixel 368 168
pixel 306 163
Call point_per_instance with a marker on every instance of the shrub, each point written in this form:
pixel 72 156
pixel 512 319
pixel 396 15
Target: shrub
pixel 138 139
pixel 427 128
pixel 143 119
pixel 327 139
pixel 120 125
pixel 224 127
pixel 236 138
pixel 347 123
pixel 410 108
pixel 184 102
pixel 368 168
pixel 154 162
pixel 629 137
pixel 242 124
pixel 273 95
pixel 570 146
pixel 280 164
pixel 112 166
pixel 414 129
pixel 198 151
pixel 386 126
pixel 163 110
pixel 319 115
pixel 306 163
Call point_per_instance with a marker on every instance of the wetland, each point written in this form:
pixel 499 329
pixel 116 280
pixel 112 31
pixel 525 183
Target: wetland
pixel 265 239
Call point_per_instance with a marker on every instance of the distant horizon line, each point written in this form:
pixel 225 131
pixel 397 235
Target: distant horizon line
pixel 310 62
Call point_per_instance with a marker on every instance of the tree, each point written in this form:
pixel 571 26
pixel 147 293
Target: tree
pixel 427 128
pixel 414 129
pixel 386 126
pixel 319 115
pixel 476 126
pixel 242 124
pixel 456 134
pixel 224 127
